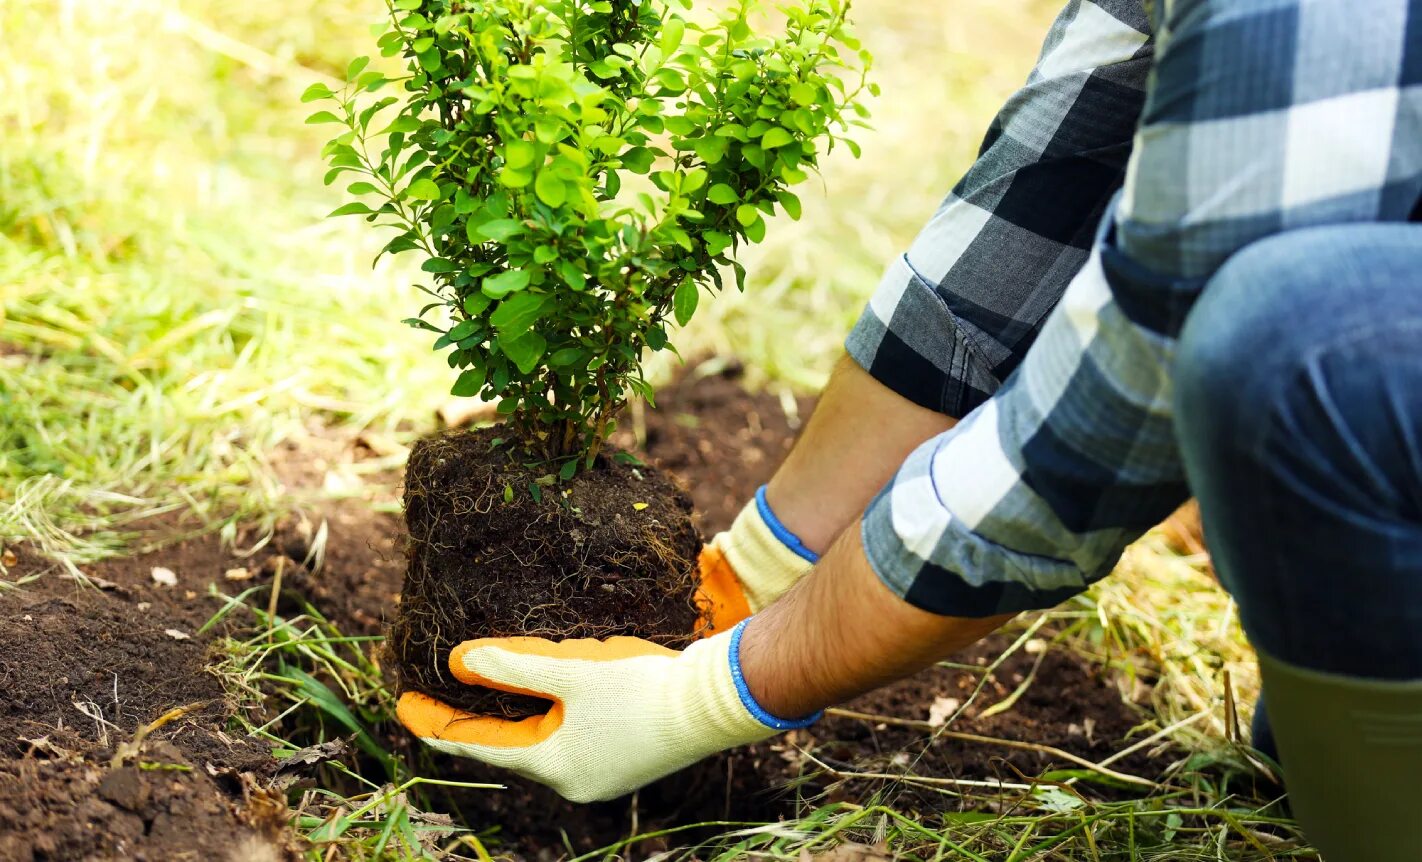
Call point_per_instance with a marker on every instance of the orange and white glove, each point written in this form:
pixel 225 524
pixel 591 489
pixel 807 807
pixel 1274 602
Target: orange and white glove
pixel 625 711
pixel 749 566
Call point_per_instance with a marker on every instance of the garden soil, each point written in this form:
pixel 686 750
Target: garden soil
pixel 84 669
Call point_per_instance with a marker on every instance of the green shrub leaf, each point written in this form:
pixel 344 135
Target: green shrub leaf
pixel 501 285
pixel 684 302
pixel 516 314
pixel 469 383
pixel 524 351
pixel 423 189
pixel 722 194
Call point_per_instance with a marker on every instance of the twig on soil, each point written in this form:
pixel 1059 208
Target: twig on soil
pixel 276 591
pixel 1154 737
pixel 1050 751
pixel 914 779
pixel 131 748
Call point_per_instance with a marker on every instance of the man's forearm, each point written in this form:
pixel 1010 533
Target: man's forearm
pixel 857 438
pixel 840 632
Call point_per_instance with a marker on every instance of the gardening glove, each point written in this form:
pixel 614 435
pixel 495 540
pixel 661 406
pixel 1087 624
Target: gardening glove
pixel 749 566
pixel 625 711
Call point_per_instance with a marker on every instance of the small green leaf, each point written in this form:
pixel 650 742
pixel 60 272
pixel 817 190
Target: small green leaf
pixel 356 67
pixel 776 137
pixel 755 231
pixel 353 208
pixel 791 204
pixel 524 351
pixel 717 242
pixel 403 124
pixel 462 330
pixel 673 29
pixel 711 149
pixel 501 285
pixel 548 130
pixel 519 154
pixel 516 314
pixel 515 179
pixel 803 94
pixel 566 472
pixel 316 91
pixel 684 301
pixel 475 303
pixel 550 189
pixel 722 194
pixel 498 230
pixel 469 383
pixel 638 160
pixel 566 356
pixel 508 493
pixel 423 189
pixel 320 117
pixel 747 214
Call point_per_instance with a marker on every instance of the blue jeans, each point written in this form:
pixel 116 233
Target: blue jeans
pixel 1299 414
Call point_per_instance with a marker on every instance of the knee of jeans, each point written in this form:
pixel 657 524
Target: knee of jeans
pixel 1248 333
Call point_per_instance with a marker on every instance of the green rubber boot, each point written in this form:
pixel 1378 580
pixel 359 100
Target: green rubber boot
pixel 1352 756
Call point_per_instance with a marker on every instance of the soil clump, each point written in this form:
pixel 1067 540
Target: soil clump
pixel 496 552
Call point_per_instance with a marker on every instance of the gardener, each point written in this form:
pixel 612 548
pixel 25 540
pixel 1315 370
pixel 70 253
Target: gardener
pixel 1241 320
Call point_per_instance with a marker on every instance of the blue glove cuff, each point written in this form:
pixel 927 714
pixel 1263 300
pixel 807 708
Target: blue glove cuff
pixel 787 538
pixel 748 700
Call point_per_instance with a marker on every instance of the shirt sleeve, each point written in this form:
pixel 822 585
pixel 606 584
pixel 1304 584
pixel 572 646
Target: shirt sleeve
pixel 955 315
pixel 1261 117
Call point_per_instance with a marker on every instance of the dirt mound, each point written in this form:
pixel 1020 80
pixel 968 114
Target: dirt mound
pixel 493 554
pixel 163 807
pixel 84 670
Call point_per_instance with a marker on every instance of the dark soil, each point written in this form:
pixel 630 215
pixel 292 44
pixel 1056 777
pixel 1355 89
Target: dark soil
pixel 197 791
pixel 82 669
pixel 611 552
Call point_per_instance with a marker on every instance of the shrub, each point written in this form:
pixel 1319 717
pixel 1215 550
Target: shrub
pixel 576 172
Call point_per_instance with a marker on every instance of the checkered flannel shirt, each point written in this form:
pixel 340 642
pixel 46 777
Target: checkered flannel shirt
pixel 1148 145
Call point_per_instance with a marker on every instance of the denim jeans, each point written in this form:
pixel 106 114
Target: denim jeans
pixel 1299 415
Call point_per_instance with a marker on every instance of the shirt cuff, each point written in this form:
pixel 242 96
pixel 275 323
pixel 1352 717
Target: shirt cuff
pixel 937 563
pixel 909 341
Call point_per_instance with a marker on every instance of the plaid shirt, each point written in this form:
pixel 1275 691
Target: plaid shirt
pixel 1143 151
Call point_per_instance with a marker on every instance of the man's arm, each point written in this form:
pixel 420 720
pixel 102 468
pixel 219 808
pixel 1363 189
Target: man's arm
pixel 840 633
pixel 859 434
pixel 1261 118
pixel 956 314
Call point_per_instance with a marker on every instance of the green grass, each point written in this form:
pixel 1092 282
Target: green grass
pixel 174 306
